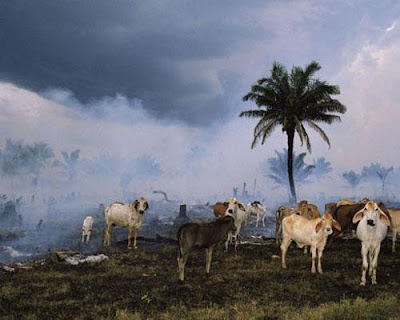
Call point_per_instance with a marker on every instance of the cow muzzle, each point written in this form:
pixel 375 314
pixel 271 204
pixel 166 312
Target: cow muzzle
pixel 141 211
pixel 371 222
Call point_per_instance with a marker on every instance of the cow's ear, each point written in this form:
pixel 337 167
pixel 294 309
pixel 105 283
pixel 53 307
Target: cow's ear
pixel 241 207
pixel 383 217
pixel 336 225
pixel 135 204
pixel 146 205
pixel 318 226
pixel 226 203
pixel 358 216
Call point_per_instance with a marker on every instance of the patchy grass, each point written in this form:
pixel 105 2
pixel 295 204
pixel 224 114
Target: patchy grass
pixel 143 284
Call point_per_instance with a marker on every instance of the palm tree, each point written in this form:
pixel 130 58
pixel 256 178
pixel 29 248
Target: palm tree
pixel 292 100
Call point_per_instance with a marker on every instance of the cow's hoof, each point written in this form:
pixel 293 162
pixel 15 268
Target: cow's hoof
pixel 362 283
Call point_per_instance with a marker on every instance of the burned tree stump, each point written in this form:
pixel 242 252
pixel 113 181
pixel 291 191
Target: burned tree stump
pixel 182 217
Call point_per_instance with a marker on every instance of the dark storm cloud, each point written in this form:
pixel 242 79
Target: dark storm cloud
pixel 99 48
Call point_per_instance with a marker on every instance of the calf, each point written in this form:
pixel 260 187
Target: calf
pixel 202 235
pixel 395 226
pixel 125 215
pixel 304 231
pixel 371 230
pixel 87 228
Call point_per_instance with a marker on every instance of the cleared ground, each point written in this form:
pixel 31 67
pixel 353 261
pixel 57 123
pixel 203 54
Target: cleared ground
pixel 250 284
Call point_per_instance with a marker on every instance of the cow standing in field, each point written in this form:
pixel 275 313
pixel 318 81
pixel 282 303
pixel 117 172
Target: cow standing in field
pixel 311 232
pixel 87 228
pixel 344 214
pixel 125 215
pixel 241 216
pixel 371 230
pixel 281 213
pixel 394 225
pixel 202 235
pixel 257 209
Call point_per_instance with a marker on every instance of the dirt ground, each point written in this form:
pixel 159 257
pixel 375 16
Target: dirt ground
pixel 249 284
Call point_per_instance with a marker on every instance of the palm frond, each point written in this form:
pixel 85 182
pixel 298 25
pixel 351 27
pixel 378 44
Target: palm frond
pixel 320 131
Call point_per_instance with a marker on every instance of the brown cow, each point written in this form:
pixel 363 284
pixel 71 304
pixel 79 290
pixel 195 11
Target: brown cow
pixel 202 235
pixel 344 215
pixel 220 208
pixel 308 210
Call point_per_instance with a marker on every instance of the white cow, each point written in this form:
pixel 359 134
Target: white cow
pixel 371 230
pixel 87 228
pixel 125 215
pixel 310 232
pixel 394 225
pixel 241 216
pixel 257 209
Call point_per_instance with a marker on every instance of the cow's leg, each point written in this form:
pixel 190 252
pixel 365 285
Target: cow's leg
pixel 129 237
pixel 370 259
pixel 364 254
pixel 394 238
pixel 284 247
pixel 320 251
pixel 229 239
pixel 305 251
pixel 209 252
pixel 134 241
pixel 258 218
pixel 313 257
pixel 83 235
pixel 88 236
pixel 182 259
pixel 108 233
pixel 375 263
pixel 263 220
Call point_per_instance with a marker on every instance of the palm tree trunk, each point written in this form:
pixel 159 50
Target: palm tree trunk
pixel 290 134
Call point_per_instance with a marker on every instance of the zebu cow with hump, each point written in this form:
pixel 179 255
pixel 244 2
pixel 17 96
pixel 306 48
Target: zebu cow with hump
pixel 308 210
pixel 125 215
pixel 202 235
pixel 307 232
pixel 344 214
pixel 394 225
pixel 371 230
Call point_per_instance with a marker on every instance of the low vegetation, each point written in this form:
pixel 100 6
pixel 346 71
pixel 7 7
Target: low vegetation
pixel 143 284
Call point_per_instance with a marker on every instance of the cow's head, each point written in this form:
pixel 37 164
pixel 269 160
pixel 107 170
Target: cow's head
pixel 327 223
pixel 232 206
pixel 371 213
pixel 140 205
pixel 257 207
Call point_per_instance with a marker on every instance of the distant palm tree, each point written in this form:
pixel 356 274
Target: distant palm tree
pixel 290 100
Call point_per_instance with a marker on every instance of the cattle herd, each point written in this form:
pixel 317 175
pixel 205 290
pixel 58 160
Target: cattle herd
pixel 368 220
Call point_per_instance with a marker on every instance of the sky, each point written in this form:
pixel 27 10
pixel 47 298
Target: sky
pixel 165 79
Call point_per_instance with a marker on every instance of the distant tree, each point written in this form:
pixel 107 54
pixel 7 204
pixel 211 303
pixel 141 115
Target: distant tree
pixel 70 162
pixel 352 178
pixel 276 168
pixel 377 170
pixel 17 158
pixel 290 101
pixel 322 167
